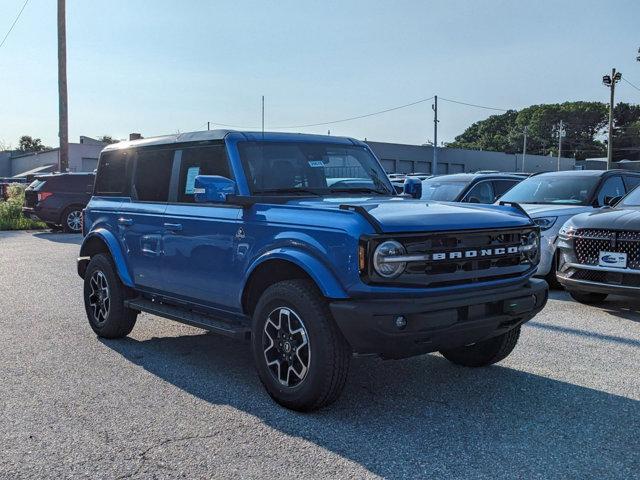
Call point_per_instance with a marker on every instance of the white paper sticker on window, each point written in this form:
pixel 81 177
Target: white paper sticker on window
pixel 316 163
pixel 192 173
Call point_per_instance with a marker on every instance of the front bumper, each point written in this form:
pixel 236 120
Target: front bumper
pixel 436 323
pixel 587 278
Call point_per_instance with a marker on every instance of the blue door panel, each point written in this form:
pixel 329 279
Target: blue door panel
pixel 140 228
pixel 200 244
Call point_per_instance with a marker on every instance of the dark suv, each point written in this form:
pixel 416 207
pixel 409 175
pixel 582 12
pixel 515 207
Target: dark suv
pixel 58 199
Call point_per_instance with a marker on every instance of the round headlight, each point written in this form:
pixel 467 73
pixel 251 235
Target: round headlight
pixel 383 261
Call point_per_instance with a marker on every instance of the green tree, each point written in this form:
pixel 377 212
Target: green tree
pixel 626 132
pixel 30 144
pixel 583 123
pixel 108 139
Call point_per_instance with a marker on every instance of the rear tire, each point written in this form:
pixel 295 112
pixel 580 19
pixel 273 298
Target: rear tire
pixel 72 219
pixel 104 296
pixel 301 357
pixel 484 353
pixel 588 298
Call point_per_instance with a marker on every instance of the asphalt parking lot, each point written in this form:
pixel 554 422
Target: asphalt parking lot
pixel 172 401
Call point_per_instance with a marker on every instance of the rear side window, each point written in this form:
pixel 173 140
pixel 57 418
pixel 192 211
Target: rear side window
pixel 482 192
pixel 112 178
pixel 210 160
pixel 78 184
pixel 502 186
pixel 153 175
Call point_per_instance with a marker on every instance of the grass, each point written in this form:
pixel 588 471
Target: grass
pixel 11 217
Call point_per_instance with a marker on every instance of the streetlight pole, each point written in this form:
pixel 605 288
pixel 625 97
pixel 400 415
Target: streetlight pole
pixel 434 163
pixel 524 147
pixel 610 81
pixel 560 133
pixel 63 114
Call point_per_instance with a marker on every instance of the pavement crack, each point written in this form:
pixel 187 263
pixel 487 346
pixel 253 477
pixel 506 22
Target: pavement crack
pixel 143 455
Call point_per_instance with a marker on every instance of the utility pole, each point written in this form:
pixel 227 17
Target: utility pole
pixel 560 134
pixel 63 129
pixel 208 125
pixel 610 81
pixel 524 147
pixel 434 163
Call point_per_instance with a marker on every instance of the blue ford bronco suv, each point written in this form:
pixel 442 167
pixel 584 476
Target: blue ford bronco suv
pixel 299 244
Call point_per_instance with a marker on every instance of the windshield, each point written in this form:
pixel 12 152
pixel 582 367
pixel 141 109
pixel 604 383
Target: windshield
pixel 631 200
pixel 311 168
pixel 552 189
pixel 443 191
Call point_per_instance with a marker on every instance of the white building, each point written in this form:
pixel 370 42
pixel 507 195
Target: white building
pixel 83 157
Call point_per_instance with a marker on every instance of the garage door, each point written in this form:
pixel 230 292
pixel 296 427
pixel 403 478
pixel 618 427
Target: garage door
pixel 89 164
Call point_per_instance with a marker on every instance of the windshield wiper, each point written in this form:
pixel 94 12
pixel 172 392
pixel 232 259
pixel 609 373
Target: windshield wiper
pixel 294 190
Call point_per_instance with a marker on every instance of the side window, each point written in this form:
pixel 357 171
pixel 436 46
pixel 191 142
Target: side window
pixel 152 176
pixel 612 187
pixel 482 192
pixel 631 182
pixel 210 160
pixel 113 174
pixel 500 187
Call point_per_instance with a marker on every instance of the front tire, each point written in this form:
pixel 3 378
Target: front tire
pixel 588 298
pixel 484 353
pixel 301 357
pixel 104 296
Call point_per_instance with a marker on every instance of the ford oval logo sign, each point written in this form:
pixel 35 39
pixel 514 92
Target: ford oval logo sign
pixel 609 259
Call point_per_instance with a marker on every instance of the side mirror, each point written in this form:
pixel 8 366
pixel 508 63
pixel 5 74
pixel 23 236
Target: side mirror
pixel 413 187
pixel 212 189
pixel 611 201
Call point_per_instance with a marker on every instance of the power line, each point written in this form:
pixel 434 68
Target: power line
pixel 637 88
pixel 14 23
pixel 474 105
pixel 357 117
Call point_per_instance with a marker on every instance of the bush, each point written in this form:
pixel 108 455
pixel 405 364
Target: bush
pixel 11 217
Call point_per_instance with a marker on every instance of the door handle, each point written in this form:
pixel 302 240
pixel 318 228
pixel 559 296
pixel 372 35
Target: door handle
pixel 125 221
pixel 173 227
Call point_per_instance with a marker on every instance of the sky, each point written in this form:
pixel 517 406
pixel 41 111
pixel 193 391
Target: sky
pixel 164 66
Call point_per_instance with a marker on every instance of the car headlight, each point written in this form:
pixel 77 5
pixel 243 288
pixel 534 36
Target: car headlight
pixel 545 223
pixel 383 261
pixel 530 247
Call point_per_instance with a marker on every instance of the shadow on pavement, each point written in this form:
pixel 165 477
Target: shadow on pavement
pixel 57 237
pixel 490 422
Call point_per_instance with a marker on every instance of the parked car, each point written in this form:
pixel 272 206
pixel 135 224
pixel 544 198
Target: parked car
pixel 600 252
pixel 468 187
pixel 247 235
pixel 58 199
pixel 553 198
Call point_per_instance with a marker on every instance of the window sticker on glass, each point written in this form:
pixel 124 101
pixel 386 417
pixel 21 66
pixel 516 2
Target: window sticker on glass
pixel 316 163
pixel 192 173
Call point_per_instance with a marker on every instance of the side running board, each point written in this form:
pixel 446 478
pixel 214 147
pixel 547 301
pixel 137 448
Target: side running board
pixel 215 325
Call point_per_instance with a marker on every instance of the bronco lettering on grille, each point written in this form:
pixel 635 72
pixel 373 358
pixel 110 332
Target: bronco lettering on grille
pixel 485 252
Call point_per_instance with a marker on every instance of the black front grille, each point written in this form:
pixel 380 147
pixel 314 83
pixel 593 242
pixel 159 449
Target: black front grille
pixel 588 244
pixel 498 256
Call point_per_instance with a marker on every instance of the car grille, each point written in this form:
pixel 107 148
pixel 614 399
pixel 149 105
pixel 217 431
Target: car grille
pixel 588 244
pixel 449 272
